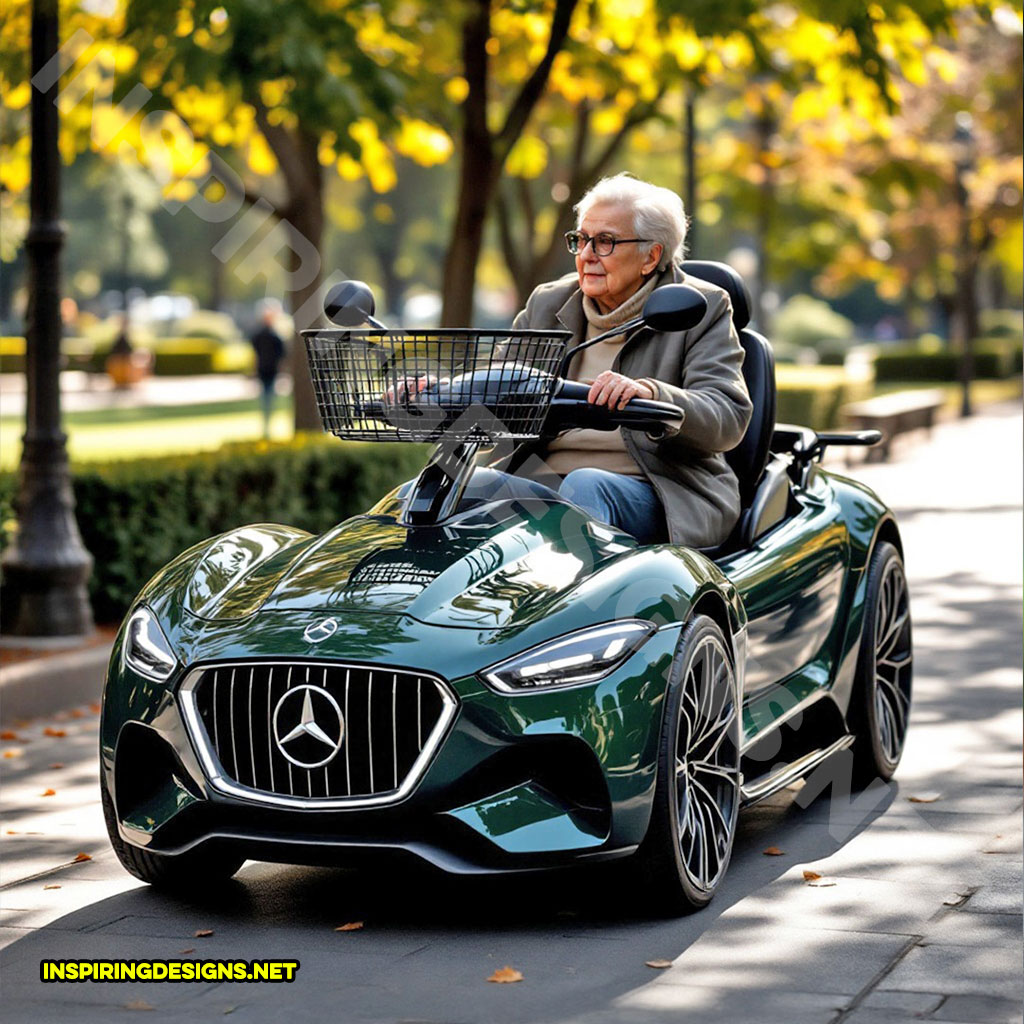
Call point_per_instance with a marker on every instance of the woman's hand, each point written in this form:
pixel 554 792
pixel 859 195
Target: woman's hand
pixel 616 389
pixel 408 388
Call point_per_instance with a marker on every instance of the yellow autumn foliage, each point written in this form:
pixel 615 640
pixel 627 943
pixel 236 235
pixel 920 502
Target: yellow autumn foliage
pixel 423 142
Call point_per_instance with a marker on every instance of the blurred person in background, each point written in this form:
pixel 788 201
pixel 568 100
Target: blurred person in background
pixel 270 351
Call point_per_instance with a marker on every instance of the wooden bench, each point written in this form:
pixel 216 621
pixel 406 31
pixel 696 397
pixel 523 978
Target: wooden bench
pixel 894 414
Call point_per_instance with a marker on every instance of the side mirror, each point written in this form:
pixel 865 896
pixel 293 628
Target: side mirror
pixel 350 304
pixel 674 307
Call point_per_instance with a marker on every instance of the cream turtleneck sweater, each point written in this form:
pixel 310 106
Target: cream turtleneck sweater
pixel 599 449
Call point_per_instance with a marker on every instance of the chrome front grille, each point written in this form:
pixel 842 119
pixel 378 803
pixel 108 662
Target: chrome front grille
pixel 315 734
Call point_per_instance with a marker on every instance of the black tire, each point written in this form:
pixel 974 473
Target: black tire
pixel 686 851
pixel 197 869
pixel 879 711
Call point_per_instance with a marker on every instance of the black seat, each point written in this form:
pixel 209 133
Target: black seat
pixel 763 497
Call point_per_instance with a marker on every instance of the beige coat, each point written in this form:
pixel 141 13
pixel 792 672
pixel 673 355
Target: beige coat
pixel 700 371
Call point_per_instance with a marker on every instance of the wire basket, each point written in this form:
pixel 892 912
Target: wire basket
pixel 458 385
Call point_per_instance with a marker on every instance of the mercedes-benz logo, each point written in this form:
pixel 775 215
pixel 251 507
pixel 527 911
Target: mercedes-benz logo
pixel 308 726
pixel 320 631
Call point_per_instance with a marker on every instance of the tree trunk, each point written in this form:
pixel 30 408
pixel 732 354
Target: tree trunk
pixel 484 152
pixel 306 220
pixel 476 188
pixel 476 174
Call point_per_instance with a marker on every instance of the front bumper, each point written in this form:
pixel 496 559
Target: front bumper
pixel 517 782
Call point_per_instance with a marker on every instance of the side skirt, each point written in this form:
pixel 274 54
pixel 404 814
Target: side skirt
pixel 766 785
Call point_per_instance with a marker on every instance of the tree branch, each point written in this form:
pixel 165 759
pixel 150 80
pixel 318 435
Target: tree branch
pixel 529 215
pixel 582 177
pixel 533 87
pixel 638 115
pixel 510 251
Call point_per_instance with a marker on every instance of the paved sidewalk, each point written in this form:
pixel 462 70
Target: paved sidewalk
pixel 916 916
pixel 81 391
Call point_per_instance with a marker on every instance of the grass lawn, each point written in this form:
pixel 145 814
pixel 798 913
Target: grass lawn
pixel 131 432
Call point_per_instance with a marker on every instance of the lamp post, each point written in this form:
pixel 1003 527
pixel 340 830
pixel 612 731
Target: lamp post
pixel 46 567
pixel 690 165
pixel 966 304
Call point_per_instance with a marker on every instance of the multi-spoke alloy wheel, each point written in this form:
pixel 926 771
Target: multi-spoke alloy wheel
pixel 697 797
pixel 880 706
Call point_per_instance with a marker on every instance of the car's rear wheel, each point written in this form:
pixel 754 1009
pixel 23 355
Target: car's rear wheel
pixel 693 822
pixel 880 705
pixel 195 869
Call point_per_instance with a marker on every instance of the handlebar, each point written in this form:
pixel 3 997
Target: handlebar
pixel 570 408
pixel 446 400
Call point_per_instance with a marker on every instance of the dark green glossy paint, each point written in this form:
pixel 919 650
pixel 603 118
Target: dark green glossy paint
pixel 527 819
pixel 454 599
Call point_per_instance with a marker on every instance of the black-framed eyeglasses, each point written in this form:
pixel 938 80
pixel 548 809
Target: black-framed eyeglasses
pixel 604 242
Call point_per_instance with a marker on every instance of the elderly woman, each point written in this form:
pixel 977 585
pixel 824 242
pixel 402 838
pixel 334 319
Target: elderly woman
pixel 628 240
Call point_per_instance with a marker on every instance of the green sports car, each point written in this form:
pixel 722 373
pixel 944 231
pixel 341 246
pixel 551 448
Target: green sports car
pixel 489 683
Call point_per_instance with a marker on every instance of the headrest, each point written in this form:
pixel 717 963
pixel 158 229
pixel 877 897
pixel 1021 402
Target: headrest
pixel 724 276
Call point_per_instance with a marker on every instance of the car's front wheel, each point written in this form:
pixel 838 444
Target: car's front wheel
pixel 195 869
pixel 693 822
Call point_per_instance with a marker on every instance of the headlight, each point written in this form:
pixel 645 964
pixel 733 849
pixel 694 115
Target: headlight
pixel 146 648
pixel 582 657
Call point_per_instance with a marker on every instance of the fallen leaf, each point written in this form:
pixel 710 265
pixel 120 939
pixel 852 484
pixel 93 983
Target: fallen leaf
pixel 505 975
pixel 94 707
pixel 352 926
pixel 57 764
pixel 51 886
pixel 48 792
pixel 78 713
pixel 184 952
pixel 138 1004
pixel 658 965
pixel 772 851
pixel 50 731
pixel 81 858
pixel 925 798
pixel 8 734
pixel 203 933
pixel 14 752
pixel 12 832
pixel 811 876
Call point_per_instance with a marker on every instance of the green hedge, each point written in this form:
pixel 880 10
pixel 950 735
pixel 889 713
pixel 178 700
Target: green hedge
pixel 185 356
pixel 136 516
pixel 994 359
pixel 812 396
pixel 172 357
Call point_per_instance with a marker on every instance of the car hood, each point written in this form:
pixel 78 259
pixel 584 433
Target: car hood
pixel 485 570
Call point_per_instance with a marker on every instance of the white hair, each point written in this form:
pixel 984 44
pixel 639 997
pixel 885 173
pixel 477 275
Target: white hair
pixel 657 213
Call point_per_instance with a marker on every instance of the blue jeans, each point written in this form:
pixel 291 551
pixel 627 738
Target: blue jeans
pixel 628 502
